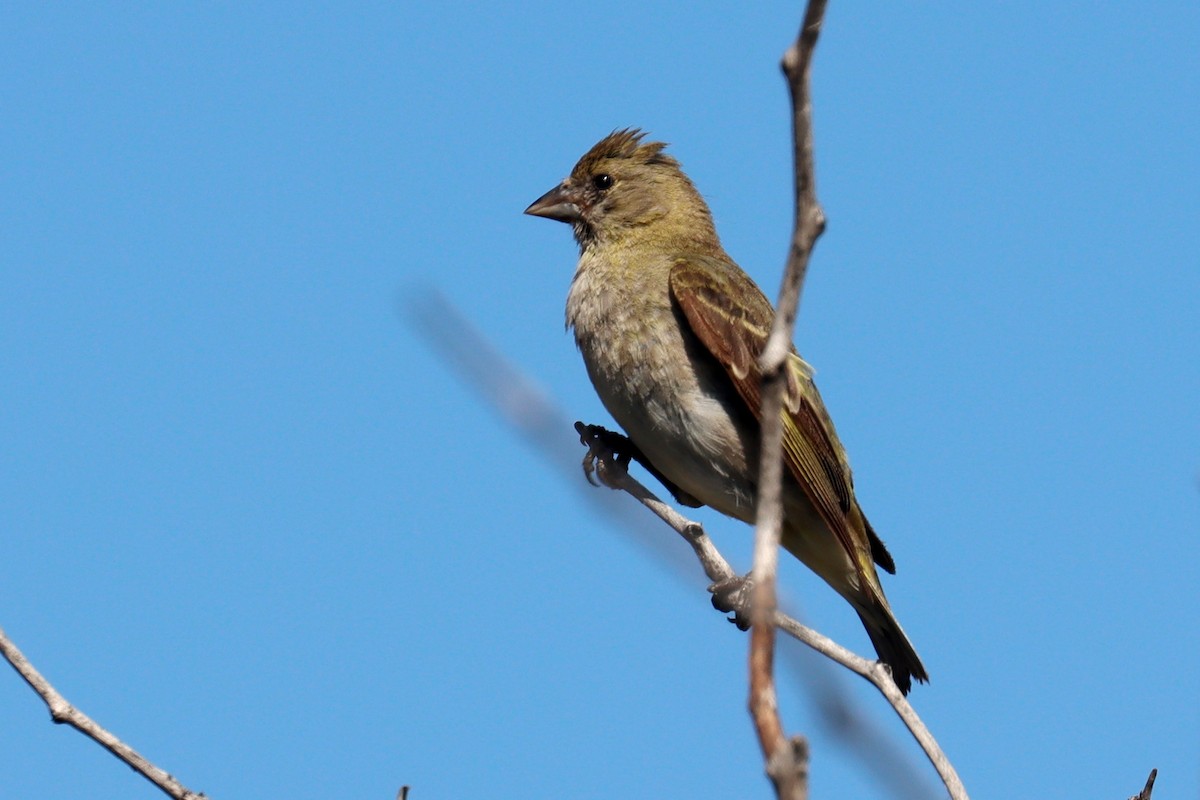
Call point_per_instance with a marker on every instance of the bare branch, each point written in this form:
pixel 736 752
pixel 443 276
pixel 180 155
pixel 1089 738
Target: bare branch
pixel 614 475
pixel 877 673
pixel 809 220
pixel 787 771
pixel 1144 794
pixel 718 569
pixel 62 712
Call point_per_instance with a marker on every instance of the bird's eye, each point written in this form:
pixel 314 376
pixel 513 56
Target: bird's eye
pixel 602 181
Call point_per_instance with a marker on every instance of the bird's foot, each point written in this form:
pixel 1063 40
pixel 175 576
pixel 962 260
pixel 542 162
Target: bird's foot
pixel 608 455
pixel 734 596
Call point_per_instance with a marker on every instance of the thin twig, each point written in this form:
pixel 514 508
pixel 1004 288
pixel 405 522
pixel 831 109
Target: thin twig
pixel 62 712
pixel 1144 794
pixel 718 569
pixel 809 220
pixel 786 762
pixel 877 673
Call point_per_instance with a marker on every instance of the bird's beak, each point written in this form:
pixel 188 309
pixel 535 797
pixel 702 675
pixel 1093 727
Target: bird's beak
pixel 558 203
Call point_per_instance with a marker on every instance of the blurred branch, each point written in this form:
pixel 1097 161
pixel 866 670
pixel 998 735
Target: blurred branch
pixel 521 403
pixel 786 760
pixel 62 712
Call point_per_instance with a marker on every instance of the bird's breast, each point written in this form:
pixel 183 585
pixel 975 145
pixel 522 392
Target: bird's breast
pixel 669 395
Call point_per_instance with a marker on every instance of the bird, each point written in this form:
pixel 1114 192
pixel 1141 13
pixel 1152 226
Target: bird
pixel 670 329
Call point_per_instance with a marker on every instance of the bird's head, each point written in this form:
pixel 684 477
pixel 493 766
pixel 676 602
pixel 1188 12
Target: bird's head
pixel 625 189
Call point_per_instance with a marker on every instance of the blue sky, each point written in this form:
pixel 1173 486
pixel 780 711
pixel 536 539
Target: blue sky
pixel 251 521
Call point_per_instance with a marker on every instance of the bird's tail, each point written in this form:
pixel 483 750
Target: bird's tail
pixel 891 643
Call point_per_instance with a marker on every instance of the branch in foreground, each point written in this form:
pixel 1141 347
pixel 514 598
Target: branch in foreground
pixel 62 712
pixel 786 760
pixel 809 223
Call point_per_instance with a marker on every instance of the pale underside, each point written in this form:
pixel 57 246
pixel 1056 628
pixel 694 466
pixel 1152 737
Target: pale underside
pixel 676 403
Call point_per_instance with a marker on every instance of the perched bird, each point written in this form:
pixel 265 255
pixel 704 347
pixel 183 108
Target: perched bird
pixel 670 329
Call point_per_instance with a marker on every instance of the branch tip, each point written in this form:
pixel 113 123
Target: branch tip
pixel 1144 794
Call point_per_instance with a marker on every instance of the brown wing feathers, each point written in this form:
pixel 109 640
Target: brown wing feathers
pixel 735 340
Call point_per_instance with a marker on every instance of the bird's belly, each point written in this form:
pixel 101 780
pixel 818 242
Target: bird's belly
pixel 688 424
pixel 704 442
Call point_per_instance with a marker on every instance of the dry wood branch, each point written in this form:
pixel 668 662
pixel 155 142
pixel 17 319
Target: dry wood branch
pixel 877 673
pixel 1144 794
pixel 808 226
pixel 614 475
pixel 62 712
pixel 786 770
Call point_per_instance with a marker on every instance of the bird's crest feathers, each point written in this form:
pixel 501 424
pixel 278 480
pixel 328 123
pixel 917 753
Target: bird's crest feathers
pixel 625 143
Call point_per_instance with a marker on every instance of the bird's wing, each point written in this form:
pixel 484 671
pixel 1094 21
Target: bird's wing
pixel 735 333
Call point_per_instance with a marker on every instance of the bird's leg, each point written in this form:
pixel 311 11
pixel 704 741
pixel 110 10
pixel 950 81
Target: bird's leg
pixel 733 596
pixel 614 451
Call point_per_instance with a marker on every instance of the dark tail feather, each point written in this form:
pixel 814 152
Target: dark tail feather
pixel 893 646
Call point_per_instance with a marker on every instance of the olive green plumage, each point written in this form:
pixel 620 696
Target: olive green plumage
pixel 670 330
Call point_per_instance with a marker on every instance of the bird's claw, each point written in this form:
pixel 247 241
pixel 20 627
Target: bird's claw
pixel 733 596
pixel 608 455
